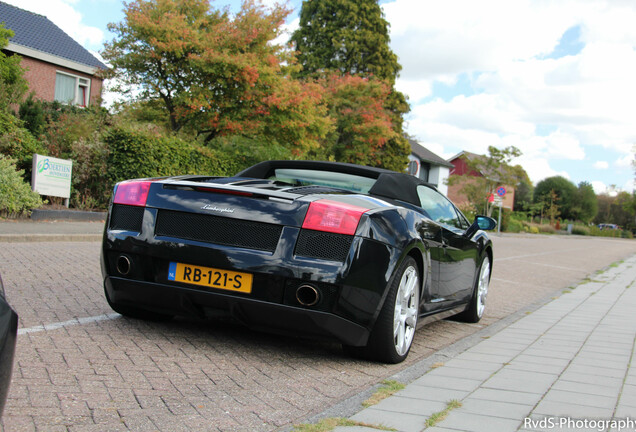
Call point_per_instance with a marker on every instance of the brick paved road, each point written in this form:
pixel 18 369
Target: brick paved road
pixel 80 367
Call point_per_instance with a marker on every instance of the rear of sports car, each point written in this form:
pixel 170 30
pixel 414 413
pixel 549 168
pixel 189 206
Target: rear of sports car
pixel 280 259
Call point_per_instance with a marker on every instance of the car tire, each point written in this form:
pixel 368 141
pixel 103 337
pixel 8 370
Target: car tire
pixel 392 336
pixel 475 310
pixel 137 313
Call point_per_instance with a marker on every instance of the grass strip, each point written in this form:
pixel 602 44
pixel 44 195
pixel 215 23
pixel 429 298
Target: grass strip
pixel 441 415
pixel 388 388
pixel 328 424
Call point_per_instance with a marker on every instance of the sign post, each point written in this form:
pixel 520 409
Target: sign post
pixel 52 176
pixel 501 192
pixel 499 202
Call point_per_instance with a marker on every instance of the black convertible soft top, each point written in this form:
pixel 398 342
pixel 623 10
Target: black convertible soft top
pixel 389 184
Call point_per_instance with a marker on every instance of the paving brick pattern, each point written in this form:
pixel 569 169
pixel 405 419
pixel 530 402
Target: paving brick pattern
pixel 80 367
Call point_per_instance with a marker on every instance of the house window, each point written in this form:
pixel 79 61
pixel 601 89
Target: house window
pixel 424 169
pixel 413 167
pixel 71 89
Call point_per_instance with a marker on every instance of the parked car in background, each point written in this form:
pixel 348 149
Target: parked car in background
pixel 321 249
pixel 605 226
pixel 8 333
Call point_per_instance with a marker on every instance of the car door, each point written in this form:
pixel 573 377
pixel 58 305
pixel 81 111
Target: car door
pixel 431 235
pixel 457 258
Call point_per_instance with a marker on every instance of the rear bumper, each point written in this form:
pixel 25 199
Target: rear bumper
pixel 258 314
pixel 8 332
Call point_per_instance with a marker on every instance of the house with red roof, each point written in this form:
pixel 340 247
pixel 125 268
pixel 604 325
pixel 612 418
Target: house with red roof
pixel 57 67
pixel 460 168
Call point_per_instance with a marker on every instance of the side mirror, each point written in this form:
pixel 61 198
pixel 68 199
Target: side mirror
pixel 481 223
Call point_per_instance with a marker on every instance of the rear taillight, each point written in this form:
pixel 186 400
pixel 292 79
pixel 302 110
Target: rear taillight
pixel 333 216
pixel 133 193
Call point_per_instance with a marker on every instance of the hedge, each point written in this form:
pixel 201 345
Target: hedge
pixel 140 154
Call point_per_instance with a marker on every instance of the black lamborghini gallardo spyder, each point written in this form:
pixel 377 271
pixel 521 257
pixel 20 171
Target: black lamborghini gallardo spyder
pixel 320 249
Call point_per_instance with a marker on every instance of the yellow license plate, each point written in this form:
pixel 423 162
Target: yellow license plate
pixel 210 277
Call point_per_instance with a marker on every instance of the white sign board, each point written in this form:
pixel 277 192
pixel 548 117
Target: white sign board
pixel 51 176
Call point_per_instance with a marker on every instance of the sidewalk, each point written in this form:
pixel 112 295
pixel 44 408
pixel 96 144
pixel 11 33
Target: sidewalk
pixel 26 230
pixel 564 367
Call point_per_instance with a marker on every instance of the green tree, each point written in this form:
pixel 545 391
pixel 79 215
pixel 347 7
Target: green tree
pixel 565 191
pixel 13 85
pixel 214 73
pixel 351 37
pixel 485 174
pixel 619 209
pixel 585 203
pixel 553 209
pixel 523 188
pixel 16 142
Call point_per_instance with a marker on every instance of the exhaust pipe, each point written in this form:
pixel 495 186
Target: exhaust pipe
pixel 123 265
pixel 307 295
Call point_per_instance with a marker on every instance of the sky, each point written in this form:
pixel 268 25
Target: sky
pixel 555 78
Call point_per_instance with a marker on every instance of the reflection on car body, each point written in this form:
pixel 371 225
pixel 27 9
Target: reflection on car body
pixel 320 249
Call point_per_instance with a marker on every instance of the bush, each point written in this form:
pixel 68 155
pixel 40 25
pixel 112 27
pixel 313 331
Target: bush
pixel 533 230
pixel 89 191
pixel 31 113
pixel 580 230
pixel 16 196
pixel 468 211
pixel 596 231
pixel 514 226
pixel 18 143
pixel 547 229
pixel 137 154
pixel 66 125
pixel 246 152
pixel 505 218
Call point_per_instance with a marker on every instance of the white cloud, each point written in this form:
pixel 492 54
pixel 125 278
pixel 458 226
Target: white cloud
pixel 454 36
pixel 599 187
pixel 601 165
pixel 286 33
pixel 553 109
pixel 538 168
pixel 66 17
pixel 416 90
pixel 626 161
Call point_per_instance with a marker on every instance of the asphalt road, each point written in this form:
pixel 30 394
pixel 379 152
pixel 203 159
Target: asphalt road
pixel 80 367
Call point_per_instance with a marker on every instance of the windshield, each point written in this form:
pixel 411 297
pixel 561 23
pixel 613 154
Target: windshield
pixel 306 177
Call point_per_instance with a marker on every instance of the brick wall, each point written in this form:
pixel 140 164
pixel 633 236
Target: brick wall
pixel 41 78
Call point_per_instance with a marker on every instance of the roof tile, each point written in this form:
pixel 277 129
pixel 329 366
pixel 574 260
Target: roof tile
pixel 38 32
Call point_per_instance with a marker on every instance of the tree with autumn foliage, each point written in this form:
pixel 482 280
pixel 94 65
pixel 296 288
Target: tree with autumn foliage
pixel 362 125
pixel 216 74
pixel 350 39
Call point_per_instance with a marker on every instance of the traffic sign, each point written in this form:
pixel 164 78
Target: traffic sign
pixel 501 191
